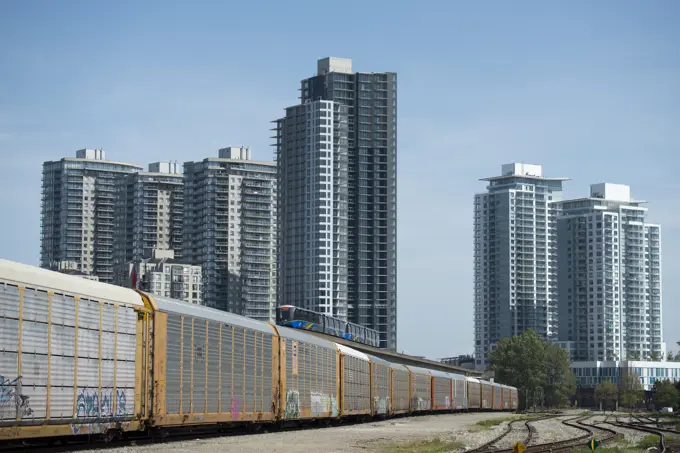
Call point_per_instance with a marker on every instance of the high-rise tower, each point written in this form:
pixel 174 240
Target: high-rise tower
pixel 515 255
pixel 230 230
pixel 371 102
pixel 77 222
pixel 610 277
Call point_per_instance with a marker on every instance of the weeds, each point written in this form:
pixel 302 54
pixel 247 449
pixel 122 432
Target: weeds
pixel 425 446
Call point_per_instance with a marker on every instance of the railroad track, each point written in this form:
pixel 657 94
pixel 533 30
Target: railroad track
pixel 491 446
pixel 663 447
pixel 552 447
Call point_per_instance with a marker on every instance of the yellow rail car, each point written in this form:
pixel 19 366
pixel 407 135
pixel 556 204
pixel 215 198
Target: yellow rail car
pixel 355 379
pixel 421 389
pixel 474 393
pixel 309 376
pixel 211 366
pixel 381 382
pixel 74 355
pixel 400 389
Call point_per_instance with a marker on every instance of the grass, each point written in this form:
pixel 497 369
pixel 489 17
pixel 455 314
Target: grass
pixel 425 446
pixel 648 441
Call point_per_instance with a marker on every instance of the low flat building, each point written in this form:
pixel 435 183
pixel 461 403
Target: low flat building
pixel 590 374
pixel 162 275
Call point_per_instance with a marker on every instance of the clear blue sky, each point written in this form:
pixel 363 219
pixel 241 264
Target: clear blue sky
pixel 591 90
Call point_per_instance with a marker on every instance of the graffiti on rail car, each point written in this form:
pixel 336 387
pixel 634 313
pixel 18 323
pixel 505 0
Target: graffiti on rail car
pixel 381 404
pixel 98 409
pixel 292 404
pixel 13 403
pixel 235 408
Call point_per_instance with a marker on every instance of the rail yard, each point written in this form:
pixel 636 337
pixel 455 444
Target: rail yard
pixel 86 365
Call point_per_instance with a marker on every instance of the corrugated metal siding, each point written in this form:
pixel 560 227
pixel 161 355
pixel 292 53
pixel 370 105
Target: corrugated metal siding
pixel 514 398
pixel 311 375
pixel 486 395
pixel 497 397
pixel 442 392
pixel 92 388
pixel 400 390
pixel 459 393
pixel 421 396
pixel 244 366
pixel 381 389
pixel 474 392
pixel 356 384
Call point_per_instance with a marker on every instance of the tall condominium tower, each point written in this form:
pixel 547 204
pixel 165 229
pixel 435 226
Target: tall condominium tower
pixel 149 210
pixel 371 102
pixel 77 221
pixel 515 276
pixel 610 277
pixel 312 218
pixel 230 230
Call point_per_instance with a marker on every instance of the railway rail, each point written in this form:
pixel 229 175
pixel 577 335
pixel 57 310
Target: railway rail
pixel 553 447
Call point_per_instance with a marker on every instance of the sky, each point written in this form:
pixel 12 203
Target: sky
pixel 589 90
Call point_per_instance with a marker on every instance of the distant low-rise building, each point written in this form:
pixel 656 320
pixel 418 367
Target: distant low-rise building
pixel 465 361
pixel 590 374
pixel 161 275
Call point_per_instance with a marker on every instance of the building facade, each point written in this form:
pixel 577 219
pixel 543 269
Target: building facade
pixel 77 212
pixel 160 274
pixel 515 257
pixel 230 231
pixel 610 277
pixel 312 214
pixel 592 373
pixel 371 102
pixel 149 213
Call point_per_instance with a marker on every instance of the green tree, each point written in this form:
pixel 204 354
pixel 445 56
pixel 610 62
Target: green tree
pixel 665 394
pixel 630 389
pixel 670 357
pixel 540 370
pixel 560 381
pixel 606 393
pixel 654 356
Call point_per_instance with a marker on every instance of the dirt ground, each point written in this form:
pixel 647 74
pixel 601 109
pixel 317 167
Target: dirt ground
pixel 460 430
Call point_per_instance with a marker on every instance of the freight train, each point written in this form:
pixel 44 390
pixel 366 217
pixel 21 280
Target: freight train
pixel 79 357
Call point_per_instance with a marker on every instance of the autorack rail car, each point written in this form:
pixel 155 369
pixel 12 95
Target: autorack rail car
pixel 83 357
